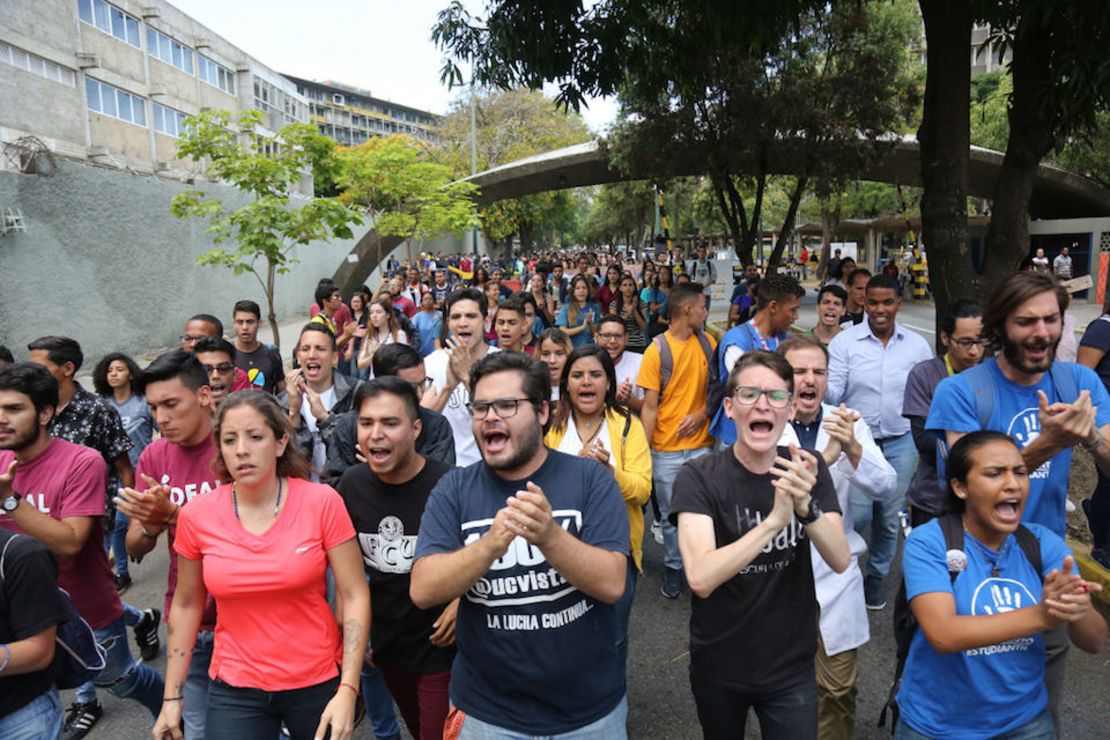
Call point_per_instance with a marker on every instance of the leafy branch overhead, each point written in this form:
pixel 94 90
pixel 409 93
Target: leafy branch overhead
pixel 265 231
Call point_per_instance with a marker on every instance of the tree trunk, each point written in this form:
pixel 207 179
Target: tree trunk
pixel 787 232
pixel 1031 139
pixel 945 138
pixel 271 271
pixel 830 222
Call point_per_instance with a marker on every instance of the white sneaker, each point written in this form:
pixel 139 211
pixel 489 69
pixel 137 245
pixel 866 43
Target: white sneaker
pixel 657 532
pixel 1069 506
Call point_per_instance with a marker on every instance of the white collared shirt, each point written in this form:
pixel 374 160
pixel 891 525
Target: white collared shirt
pixel 871 378
pixel 843 612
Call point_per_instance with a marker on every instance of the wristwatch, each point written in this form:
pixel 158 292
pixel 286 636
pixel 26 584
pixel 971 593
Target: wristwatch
pixel 11 502
pixel 814 513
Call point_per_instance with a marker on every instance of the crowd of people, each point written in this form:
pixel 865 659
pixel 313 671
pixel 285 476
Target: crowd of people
pixel 442 502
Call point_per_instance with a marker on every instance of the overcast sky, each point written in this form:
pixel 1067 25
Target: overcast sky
pixel 379 45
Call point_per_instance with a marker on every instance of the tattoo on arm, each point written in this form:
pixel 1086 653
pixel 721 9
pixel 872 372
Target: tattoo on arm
pixel 351 629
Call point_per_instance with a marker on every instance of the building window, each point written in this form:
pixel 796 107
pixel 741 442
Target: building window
pixel 110 19
pixel 338 99
pixel 168 121
pixel 169 51
pixel 111 101
pixel 37 65
pixel 216 75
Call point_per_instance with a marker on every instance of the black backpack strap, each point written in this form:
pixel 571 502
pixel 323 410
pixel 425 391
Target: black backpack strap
pixel 1031 547
pixel 952 525
pixel 666 362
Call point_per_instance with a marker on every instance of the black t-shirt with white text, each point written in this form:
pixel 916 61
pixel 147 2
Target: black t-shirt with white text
pixel 757 632
pixel 386 518
pixel 29 604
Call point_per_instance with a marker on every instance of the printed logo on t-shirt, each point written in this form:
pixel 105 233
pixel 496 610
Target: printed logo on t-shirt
pixel 182 495
pixel 999 596
pixel 787 541
pixel 1025 427
pixel 388 551
pixel 256 377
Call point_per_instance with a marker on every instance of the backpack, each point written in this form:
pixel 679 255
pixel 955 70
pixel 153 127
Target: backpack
pixel 905 624
pixel 715 390
pixel 77 656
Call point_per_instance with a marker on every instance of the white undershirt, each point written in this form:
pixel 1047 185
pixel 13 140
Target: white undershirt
pixel 319 451
pixel 572 444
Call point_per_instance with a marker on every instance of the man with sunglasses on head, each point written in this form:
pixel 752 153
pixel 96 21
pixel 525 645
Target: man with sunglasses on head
pixel 745 518
pixel 536 543
pixel 435 441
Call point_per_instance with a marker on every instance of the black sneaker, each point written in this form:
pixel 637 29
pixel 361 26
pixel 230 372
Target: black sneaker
pixel 80 719
pixel 123 582
pixel 146 634
pixel 873 593
pixel 672 583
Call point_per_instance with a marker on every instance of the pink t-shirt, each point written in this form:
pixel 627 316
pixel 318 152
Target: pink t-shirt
pixel 188 473
pixel 274 628
pixel 68 480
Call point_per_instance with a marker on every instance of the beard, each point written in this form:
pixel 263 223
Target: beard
pixel 529 444
pixel 21 440
pixel 1012 351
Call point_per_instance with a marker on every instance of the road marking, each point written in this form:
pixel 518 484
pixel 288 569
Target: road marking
pixel 919 328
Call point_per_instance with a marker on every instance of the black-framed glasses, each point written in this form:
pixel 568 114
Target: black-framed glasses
pixel 504 407
pixel 423 385
pixel 186 338
pixel 747 395
pixel 965 343
pixel 609 337
pixel 223 368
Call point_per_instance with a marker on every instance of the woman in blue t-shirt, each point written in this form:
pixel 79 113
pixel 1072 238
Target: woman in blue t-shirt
pixel 580 314
pixel 976 664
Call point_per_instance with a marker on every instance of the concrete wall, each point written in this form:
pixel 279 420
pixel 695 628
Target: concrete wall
pixel 102 260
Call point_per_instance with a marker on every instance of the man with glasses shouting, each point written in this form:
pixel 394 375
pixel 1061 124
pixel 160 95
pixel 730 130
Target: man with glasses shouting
pixel 435 441
pixel 745 518
pixel 536 543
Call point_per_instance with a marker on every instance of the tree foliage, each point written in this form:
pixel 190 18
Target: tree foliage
pixel 511 125
pixel 267 167
pixel 404 191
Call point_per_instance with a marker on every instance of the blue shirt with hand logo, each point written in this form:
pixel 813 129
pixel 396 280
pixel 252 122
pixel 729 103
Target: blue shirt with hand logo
pixel 987 691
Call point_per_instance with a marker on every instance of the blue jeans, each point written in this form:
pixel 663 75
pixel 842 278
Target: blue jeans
pixel 379 704
pixel 790 714
pixel 901 453
pixel 118 542
pixel 123 676
pixel 39 719
pixel 86 692
pixel 623 609
pixel 195 705
pixel 236 713
pixel 609 727
pixel 664 468
pixel 1038 728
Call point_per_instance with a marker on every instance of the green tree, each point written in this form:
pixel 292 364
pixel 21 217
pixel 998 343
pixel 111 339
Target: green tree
pixel 405 193
pixel 511 125
pixel 266 167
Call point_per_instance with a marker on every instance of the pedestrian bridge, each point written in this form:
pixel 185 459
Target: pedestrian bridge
pixel 1057 193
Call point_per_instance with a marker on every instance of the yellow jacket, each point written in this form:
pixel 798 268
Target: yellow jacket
pixel 631 458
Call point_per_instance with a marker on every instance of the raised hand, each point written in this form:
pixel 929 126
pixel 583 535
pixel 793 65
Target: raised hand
pixel 797 477
pixel 530 515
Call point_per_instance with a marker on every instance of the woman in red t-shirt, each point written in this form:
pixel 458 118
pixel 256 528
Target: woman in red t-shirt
pixel 261 546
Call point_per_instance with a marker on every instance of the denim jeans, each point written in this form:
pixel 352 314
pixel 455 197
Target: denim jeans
pixel 379 704
pixel 118 542
pixel 623 609
pixel 195 705
pixel 901 453
pixel 787 715
pixel 1038 728
pixel 123 676
pixel 39 719
pixel 609 727
pixel 664 468
pixel 236 713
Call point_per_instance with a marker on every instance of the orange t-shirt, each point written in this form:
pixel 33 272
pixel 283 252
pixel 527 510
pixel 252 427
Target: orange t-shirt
pixel 274 628
pixel 685 392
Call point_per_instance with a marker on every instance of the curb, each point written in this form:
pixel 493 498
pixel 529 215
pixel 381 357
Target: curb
pixel 1091 570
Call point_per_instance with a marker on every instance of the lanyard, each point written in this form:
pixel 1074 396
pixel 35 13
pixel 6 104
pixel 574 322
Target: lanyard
pixel 948 364
pixel 758 337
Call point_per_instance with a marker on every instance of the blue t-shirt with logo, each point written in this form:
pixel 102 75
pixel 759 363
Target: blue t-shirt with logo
pixel 428 324
pixel 980 692
pixel 535 654
pixel 746 337
pixel 1016 413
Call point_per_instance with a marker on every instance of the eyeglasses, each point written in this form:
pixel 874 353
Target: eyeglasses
pixel 186 338
pixel 966 343
pixel 504 407
pixel 747 395
pixel 222 368
pixel 422 385
pixel 610 337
